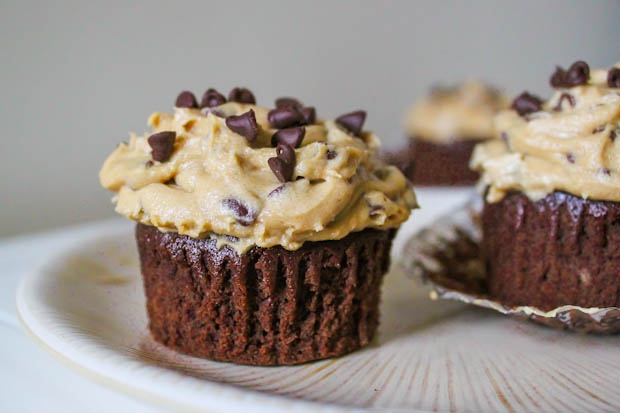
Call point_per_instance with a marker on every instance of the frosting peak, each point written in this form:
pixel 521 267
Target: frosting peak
pixel 568 145
pixel 217 182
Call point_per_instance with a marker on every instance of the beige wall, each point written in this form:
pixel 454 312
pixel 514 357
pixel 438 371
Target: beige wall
pixel 77 77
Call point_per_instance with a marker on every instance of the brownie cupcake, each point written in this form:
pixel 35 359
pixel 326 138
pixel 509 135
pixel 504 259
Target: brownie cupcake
pixel 551 218
pixel 263 234
pixel 443 130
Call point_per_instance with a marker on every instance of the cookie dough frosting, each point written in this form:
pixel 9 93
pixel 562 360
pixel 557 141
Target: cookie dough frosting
pixel 224 178
pixel 464 112
pixel 568 143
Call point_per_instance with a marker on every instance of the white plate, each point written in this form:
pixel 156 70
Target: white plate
pixel 87 307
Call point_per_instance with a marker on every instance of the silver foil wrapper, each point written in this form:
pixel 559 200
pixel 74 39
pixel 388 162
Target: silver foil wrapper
pixel 446 255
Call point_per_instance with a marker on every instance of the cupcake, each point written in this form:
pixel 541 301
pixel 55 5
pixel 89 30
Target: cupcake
pixel 443 130
pixel 551 216
pixel 263 234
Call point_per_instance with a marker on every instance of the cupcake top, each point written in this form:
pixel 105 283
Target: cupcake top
pixel 464 112
pixel 567 143
pixel 248 175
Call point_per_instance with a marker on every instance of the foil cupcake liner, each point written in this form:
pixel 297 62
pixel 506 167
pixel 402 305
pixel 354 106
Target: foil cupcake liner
pixel 446 255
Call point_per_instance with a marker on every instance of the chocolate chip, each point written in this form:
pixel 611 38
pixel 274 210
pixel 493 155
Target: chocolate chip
pixel 613 77
pixel 599 129
pixel 291 136
pixel 605 171
pixel 186 99
pixel 283 164
pixel 526 103
pixel 570 157
pixel 244 214
pixel 276 191
pixel 565 96
pixel 241 95
pixel 245 125
pixel 212 98
pixel 331 154
pixel 286 153
pixel 578 74
pixel 149 163
pixel 162 145
pixel 557 78
pixel 309 115
pixel 352 122
pixel 282 170
pixel 288 102
pixel 614 134
pixel 285 117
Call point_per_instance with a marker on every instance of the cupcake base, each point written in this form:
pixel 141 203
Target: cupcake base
pixel 268 306
pixel 560 250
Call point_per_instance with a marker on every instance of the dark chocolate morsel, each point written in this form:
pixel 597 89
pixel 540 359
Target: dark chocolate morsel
pixel 352 122
pixel 605 171
pixel 186 99
pixel 613 77
pixel 245 125
pixel 557 78
pixel 162 145
pixel 599 129
pixel 212 98
pixel 614 134
pixel 565 96
pixel 285 117
pixel 288 102
pixel 286 153
pixel 331 154
pixel 244 214
pixel 291 136
pixel 526 103
pixel 309 115
pixel 242 95
pixel 570 157
pixel 281 169
pixel 276 191
pixel 577 74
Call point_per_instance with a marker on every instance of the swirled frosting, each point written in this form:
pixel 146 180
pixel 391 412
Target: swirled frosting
pixel 218 184
pixel 569 145
pixel 462 113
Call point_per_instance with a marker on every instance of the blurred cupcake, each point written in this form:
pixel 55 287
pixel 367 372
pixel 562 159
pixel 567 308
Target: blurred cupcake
pixel 263 234
pixel 551 218
pixel 443 130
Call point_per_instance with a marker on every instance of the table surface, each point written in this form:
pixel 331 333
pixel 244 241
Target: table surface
pixel 31 379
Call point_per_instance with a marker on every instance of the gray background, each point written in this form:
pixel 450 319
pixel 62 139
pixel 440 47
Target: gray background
pixel 76 77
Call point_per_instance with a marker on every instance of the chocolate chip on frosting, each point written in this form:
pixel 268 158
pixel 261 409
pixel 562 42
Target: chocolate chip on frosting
pixel 331 154
pixel 613 77
pixel 614 134
pixel 162 145
pixel 283 164
pixel 290 136
pixel 245 125
pixel 186 99
pixel 570 157
pixel 285 117
pixel 577 74
pixel 243 213
pixel 309 115
pixel 526 103
pixel 242 95
pixel 288 102
pixel 563 97
pixel 352 122
pixel 212 98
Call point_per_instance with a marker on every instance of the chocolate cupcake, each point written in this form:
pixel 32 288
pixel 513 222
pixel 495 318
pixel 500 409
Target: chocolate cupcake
pixel 551 219
pixel 443 130
pixel 263 234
